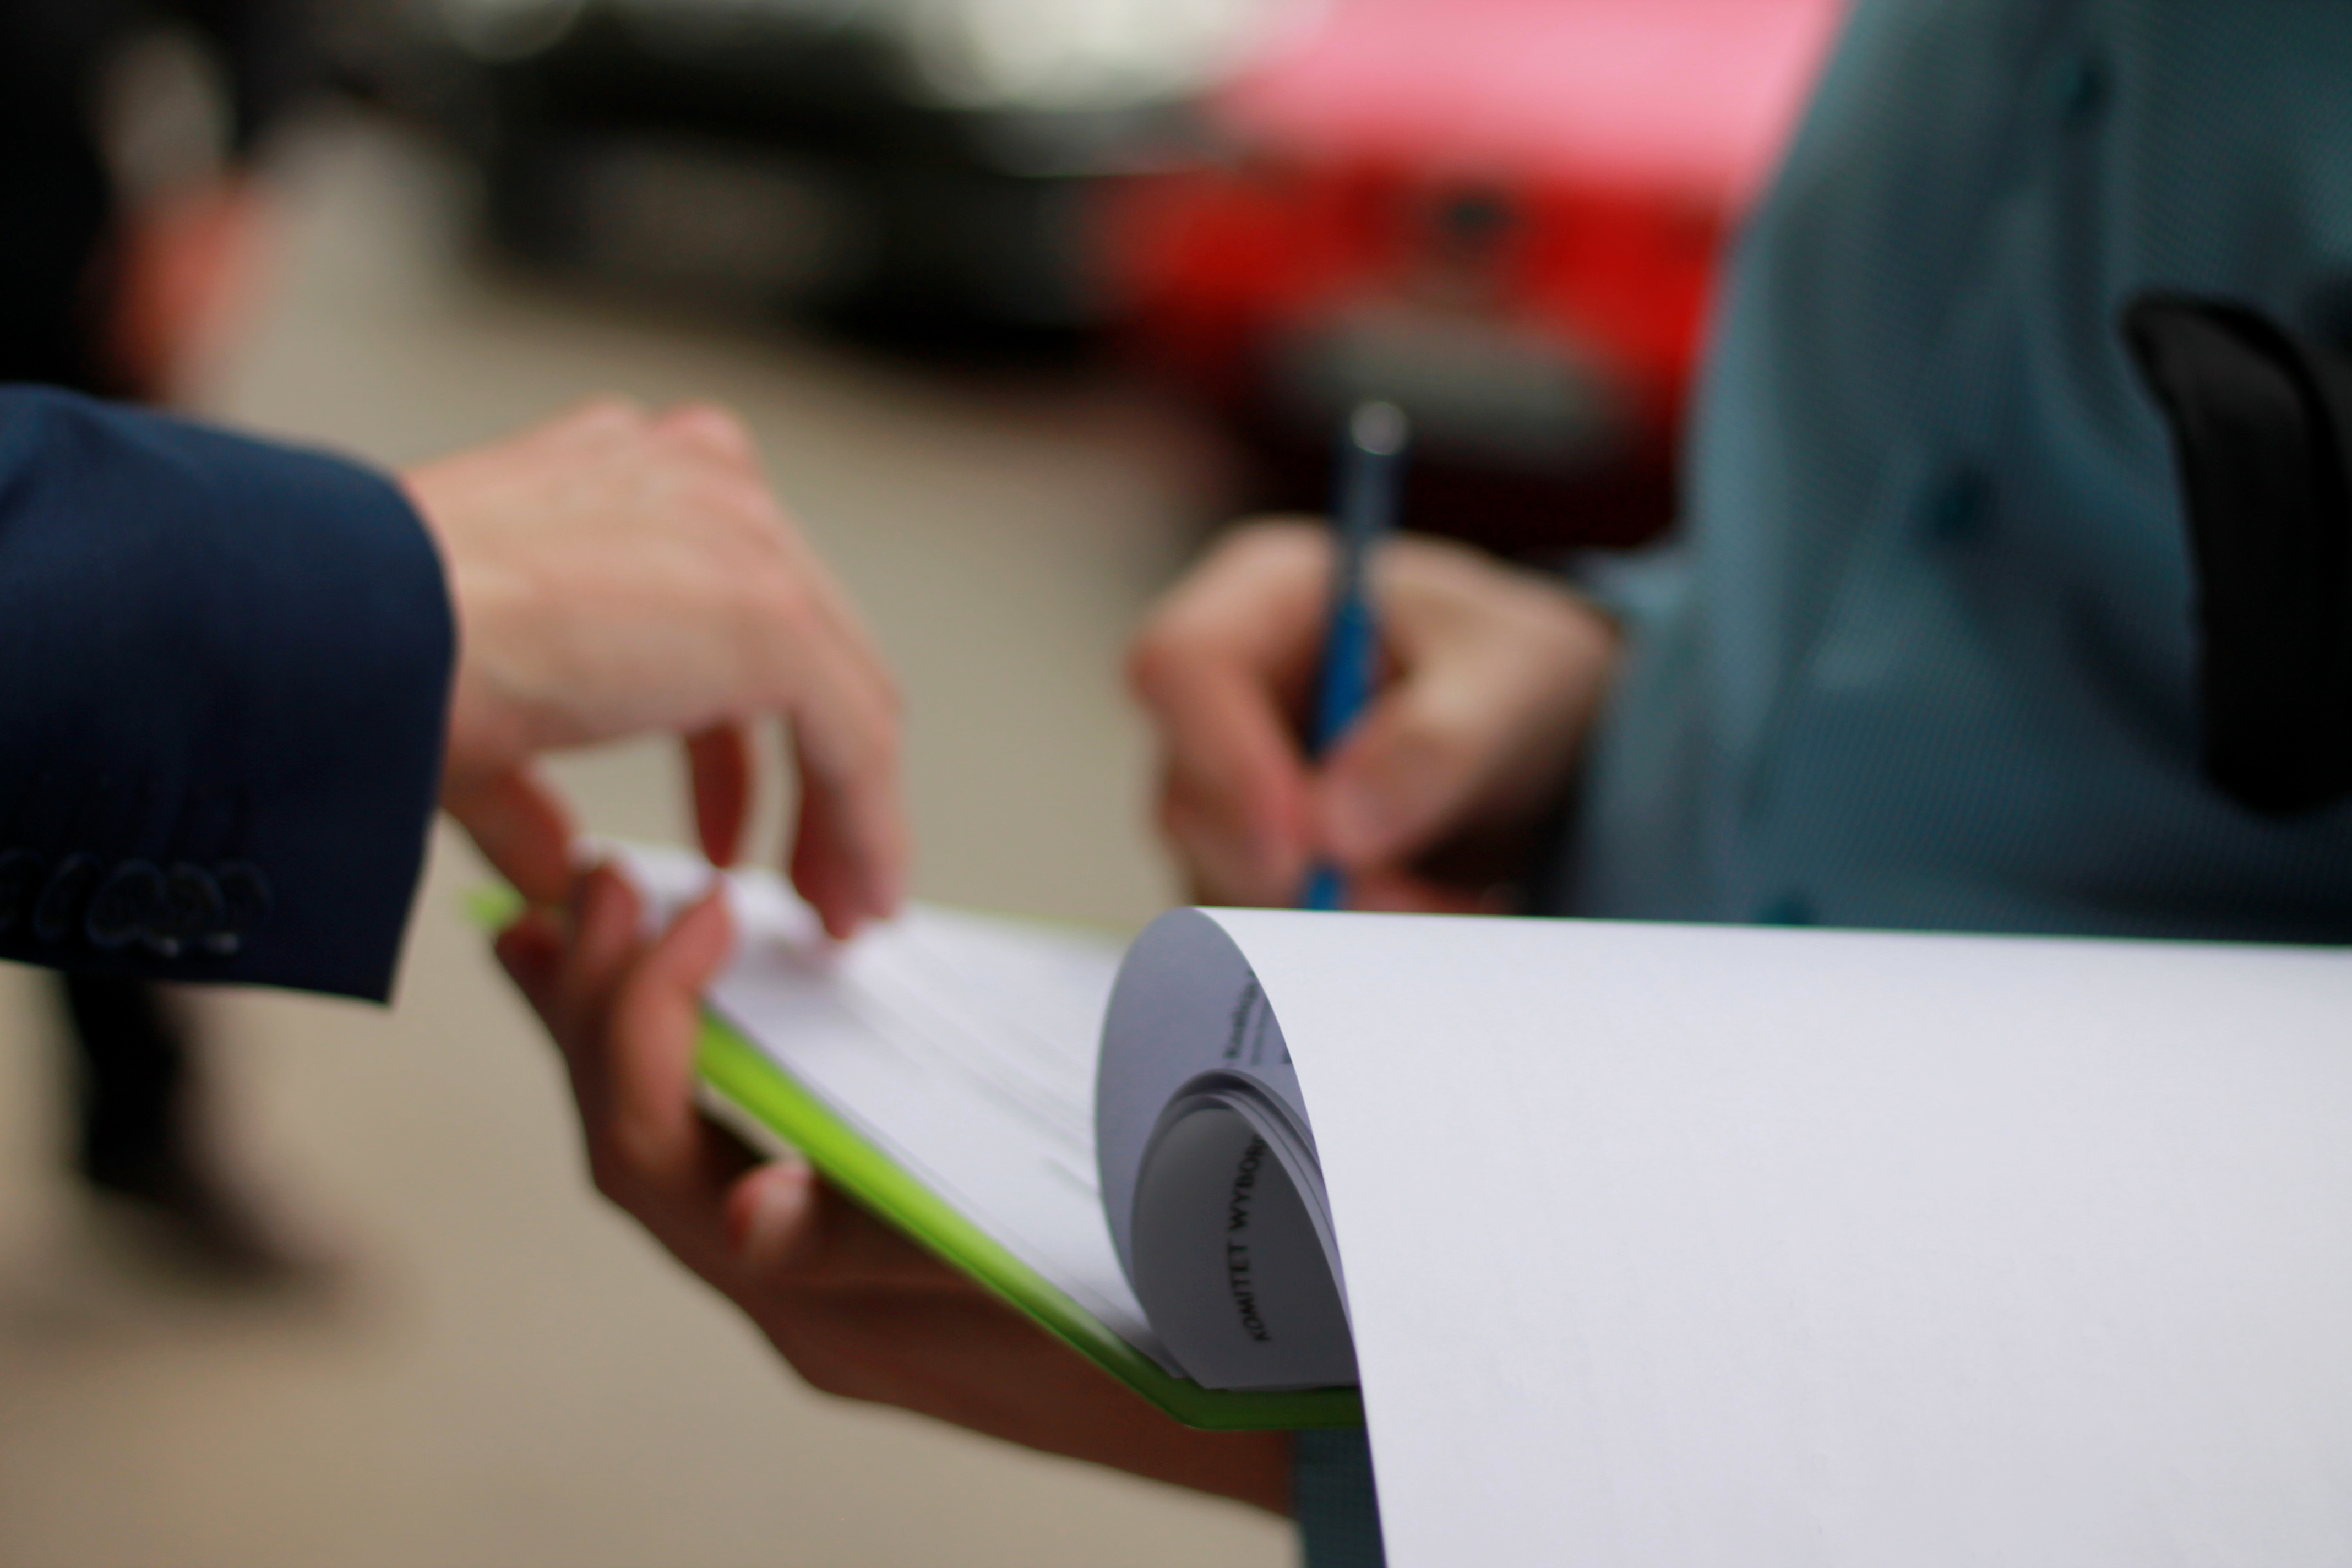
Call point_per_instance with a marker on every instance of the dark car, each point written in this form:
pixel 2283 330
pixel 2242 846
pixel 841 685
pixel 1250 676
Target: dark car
pixel 933 163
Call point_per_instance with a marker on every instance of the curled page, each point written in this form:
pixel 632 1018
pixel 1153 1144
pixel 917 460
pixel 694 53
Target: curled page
pixel 1209 1178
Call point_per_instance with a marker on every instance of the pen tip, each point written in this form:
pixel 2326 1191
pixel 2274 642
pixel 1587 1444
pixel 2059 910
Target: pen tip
pixel 1380 428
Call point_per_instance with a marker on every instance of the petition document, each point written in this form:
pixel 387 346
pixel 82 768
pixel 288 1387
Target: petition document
pixel 1704 1247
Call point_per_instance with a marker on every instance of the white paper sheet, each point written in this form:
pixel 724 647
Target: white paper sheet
pixel 1744 1249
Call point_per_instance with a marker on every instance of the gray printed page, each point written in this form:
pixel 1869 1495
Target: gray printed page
pixel 963 1045
pixel 1209 1173
pixel 1186 1003
pixel 1760 1248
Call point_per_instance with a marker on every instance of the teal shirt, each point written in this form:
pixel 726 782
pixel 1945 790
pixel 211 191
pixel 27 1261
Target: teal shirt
pixel 1926 657
pixel 1930 661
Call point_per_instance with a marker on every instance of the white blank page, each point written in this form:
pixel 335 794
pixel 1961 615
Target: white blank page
pixel 1709 1248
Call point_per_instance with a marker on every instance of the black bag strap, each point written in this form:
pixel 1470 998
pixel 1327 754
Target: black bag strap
pixel 2261 436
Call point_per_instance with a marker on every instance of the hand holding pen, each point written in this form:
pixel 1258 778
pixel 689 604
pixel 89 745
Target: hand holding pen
pixel 1484 679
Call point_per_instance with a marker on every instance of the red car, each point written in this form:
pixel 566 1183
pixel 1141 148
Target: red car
pixel 1504 214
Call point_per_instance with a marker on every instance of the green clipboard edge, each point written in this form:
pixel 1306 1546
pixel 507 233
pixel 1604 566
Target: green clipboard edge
pixel 751 1082
pixel 750 1079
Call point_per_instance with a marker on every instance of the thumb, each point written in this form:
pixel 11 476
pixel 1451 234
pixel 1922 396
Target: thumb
pixel 654 1031
pixel 1402 778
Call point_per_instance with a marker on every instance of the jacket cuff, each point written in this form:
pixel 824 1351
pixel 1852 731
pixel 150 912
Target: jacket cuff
pixel 232 669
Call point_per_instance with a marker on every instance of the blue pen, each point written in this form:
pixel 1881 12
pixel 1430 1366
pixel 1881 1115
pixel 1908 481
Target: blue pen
pixel 1371 460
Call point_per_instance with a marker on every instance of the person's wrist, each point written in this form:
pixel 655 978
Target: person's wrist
pixel 481 737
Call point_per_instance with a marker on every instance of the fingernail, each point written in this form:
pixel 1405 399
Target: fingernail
pixel 776 1207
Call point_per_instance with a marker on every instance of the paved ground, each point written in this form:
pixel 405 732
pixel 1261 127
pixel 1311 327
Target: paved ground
pixel 510 1375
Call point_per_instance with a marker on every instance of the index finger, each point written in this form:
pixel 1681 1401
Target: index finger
pixel 819 670
pixel 849 845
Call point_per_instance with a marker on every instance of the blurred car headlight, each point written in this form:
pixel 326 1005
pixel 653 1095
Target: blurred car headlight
pixel 1042 55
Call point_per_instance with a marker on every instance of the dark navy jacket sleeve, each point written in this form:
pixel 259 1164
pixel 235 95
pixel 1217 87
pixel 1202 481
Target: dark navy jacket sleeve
pixel 226 669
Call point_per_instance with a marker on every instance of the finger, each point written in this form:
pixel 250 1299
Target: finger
pixel 604 936
pixel 820 671
pixel 650 1038
pixel 849 851
pixel 769 1214
pixel 523 829
pixel 1238 783
pixel 1410 770
pixel 719 762
pixel 1407 771
pixel 1223 863
pixel 1222 668
pixel 1498 674
pixel 531 953
pixel 1256 605
pixel 823 867
pixel 850 845
pixel 709 428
